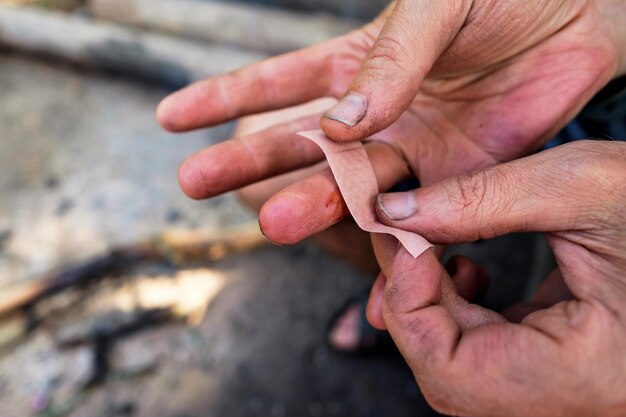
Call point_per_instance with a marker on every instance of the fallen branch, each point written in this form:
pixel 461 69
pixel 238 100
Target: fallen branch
pixel 177 247
pixel 162 59
pixel 260 28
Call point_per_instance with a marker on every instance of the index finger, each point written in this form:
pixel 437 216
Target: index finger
pixel 424 331
pixel 274 83
pixel 462 368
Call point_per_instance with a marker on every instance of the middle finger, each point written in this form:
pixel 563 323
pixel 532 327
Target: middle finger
pixel 314 204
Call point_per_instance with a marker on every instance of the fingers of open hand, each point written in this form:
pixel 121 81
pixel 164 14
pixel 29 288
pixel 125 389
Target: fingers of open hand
pixel 323 70
pixel 314 204
pixel 275 83
pixel 242 161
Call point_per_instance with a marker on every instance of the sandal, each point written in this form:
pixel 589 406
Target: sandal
pixel 367 340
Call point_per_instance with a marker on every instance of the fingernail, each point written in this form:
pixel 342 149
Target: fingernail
pixel 350 110
pixel 397 206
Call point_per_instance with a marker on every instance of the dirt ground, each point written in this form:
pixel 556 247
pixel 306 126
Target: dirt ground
pixel 85 168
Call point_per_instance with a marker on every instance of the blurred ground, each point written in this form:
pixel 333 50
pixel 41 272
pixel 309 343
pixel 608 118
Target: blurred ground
pixel 85 166
pixel 355 8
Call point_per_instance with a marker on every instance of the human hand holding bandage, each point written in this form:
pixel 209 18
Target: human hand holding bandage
pixel 560 354
pixel 452 86
pixel 357 182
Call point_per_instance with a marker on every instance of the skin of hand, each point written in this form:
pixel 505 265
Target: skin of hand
pixel 446 86
pixel 345 240
pixel 565 355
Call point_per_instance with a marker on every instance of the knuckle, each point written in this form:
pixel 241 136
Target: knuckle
pixel 599 169
pixel 424 333
pixel 471 191
pixel 344 62
pixel 391 294
pixel 482 197
pixel 467 194
pixel 388 54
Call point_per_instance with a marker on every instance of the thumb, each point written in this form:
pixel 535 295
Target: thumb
pixel 553 191
pixel 413 37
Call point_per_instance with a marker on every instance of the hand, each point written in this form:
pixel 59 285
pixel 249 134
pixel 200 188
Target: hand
pixel 563 359
pixel 458 85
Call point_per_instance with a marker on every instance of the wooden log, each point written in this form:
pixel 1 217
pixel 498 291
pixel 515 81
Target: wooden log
pixel 12 329
pixel 180 246
pixel 252 26
pixel 106 46
pixel 363 9
pixel 177 247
